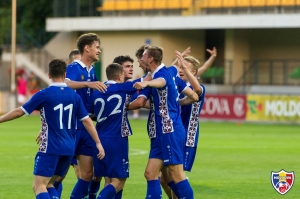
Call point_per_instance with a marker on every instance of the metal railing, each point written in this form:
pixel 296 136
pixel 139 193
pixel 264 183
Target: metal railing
pixel 266 72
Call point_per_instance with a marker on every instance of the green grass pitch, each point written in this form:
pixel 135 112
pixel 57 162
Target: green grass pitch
pixel 233 160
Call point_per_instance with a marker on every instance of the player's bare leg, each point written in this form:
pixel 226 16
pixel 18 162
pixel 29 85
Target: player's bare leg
pixel 152 172
pixel 40 185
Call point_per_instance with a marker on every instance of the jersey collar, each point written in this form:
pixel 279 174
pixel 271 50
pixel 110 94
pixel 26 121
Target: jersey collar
pixel 157 69
pixel 58 84
pixel 82 64
pixel 111 82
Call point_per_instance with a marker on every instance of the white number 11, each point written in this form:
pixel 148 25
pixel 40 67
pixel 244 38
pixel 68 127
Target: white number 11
pixel 60 107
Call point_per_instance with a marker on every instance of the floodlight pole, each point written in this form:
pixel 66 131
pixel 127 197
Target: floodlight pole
pixel 13 46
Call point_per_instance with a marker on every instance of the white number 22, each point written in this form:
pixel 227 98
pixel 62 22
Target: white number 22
pixel 116 109
pixel 61 108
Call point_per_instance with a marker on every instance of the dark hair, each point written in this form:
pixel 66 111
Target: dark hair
pixel 113 70
pixel 72 53
pixel 156 53
pixel 140 51
pixel 86 39
pixel 121 59
pixel 57 68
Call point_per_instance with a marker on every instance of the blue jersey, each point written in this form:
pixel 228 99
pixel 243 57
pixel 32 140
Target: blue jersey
pixel 180 85
pixel 165 101
pixel 77 71
pixel 59 107
pixel 110 109
pixel 190 118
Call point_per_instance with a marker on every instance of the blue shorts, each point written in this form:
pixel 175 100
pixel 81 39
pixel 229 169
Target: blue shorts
pixel 74 161
pixel 189 158
pixel 83 143
pixel 115 164
pixel 169 147
pixel 48 165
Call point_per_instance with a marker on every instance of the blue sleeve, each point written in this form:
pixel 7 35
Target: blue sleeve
pixel 160 75
pixel 81 111
pixel 127 87
pixel 181 85
pixel 144 92
pixel 72 73
pixel 35 103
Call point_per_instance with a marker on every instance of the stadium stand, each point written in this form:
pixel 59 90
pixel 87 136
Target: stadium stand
pixel 130 5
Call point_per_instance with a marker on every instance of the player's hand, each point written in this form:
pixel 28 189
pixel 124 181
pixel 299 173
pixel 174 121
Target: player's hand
pixel 140 85
pixel 180 60
pixel 212 52
pixel 39 138
pixel 101 153
pixel 98 86
pixel 186 52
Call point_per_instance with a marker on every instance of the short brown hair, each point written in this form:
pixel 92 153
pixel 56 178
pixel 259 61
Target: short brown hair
pixel 72 53
pixel 140 51
pixel 86 39
pixel 155 52
pixel 113 70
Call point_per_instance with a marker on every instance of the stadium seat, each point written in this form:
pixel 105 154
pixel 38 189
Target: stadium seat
pixel 243 3
pixel 273 3
pixel 107 6
pixel 174 4
pixel 134 4
pixel 295 74
pixel 213 72
pixel 160 4
pixel 229 3
pixel 214 3
pixel 121 5
pixel 147 4
pixel 185 4
pixel 258 3
pixel 287 2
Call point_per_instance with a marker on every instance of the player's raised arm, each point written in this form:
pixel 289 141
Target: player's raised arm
pixel 14 114
pixel 209 62
pixel 86 84
pixel 186 52
pixel 191 78
pixel 89 126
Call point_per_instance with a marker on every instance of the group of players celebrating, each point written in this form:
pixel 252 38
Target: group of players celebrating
pixel 173 95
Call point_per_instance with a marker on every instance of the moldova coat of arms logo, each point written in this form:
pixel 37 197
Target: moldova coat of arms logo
pixel 282 181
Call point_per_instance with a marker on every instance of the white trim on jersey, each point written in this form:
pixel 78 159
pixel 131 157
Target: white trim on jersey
pixel 24 110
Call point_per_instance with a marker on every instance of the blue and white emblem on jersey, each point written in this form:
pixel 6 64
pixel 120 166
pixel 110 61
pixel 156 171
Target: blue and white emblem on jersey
pixel 282 181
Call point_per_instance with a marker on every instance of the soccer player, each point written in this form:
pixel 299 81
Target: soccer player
pixel 59 107
pixel 167 138
pixel 190 111
pixel 114 128
pixel 127 63
pixel 81 77
pixel 74 55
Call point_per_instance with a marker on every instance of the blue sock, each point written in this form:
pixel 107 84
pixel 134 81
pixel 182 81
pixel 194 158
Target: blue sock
pixel 185 190
pixel 93 189
pixel 153 189
pixel 80 190
pixel 173 187
pixel 58 186
pixel 107 192
pixel 43 195
pixel 119 194
pixel 53 193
